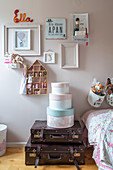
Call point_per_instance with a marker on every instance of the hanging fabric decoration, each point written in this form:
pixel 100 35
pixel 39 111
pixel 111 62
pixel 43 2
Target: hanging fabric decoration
pixel 23 81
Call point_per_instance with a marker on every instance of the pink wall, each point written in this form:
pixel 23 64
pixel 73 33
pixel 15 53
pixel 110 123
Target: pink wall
pixel 19 112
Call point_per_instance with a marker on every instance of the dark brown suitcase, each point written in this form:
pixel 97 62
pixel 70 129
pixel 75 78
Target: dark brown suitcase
pixel 41 133
pixel 50 154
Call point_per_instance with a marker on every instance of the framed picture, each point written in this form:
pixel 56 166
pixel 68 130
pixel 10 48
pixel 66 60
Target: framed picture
pixel 22 39
pixel 80 29
pixel 69 55
pixel 49 57
pixel 27 44
pixel 55 28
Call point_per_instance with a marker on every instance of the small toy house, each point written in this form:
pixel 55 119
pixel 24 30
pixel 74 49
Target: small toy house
pixel 36 79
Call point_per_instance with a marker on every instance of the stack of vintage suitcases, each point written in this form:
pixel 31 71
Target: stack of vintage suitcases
pixel 59 142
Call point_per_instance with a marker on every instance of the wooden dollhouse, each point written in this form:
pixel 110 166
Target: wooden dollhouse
pixel 36 79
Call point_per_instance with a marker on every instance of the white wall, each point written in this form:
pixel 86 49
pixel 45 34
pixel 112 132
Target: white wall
pixel 19 112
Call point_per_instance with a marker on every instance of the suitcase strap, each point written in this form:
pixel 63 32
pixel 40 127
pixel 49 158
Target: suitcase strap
pixel 70 135
pixel 42 133
pixel 74 160
pixel 38 156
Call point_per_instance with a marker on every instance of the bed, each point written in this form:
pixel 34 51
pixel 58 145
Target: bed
pixel 99 124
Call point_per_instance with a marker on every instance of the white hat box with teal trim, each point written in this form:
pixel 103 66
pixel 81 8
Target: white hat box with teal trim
pixel 61 101
pixel 94 99
pixel 60 118
pixel 60 88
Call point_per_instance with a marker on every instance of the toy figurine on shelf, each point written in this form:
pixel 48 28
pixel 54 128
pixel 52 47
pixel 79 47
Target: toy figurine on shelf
pixel 36 86
pixel 42 85
pixel 42 68
pixel 35 92
pixel 44 73
pixel 36 74
pixel 29 86
pixel 45 84
pixel 40 74
pixel 30 78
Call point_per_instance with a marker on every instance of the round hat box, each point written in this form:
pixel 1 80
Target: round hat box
pixel 60 101
pixel 60 88
pixel 94 99
pixel 60 118
pixel 3 131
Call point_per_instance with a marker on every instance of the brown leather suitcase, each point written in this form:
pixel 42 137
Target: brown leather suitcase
pixel 51 154
pixel 41 133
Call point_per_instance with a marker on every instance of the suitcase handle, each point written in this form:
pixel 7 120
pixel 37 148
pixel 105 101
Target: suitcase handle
pixel 57 137
pixel 54 158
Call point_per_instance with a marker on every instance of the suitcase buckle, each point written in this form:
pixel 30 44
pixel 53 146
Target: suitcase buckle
pixel 76 154
pixel 75 136
pixel 33 155
pixel 37 135
pixel 70 160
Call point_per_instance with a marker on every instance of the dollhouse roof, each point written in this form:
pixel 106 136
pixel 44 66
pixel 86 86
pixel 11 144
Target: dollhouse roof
pixel 36 63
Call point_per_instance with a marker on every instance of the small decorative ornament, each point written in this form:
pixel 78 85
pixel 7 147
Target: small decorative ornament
pixel 49 56
pixel 21 18
pixel 29 78
pixel 13 60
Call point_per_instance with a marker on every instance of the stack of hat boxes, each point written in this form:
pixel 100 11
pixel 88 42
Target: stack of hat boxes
pixel 60 113
pixel 59 139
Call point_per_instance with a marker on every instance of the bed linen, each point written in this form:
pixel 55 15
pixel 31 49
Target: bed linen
pixel 100 135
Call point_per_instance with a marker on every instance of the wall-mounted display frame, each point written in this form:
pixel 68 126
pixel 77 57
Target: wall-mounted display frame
pixel 34 45
pixel 49 57
pixel 69 55
pixel 37 77
pixel 55 28
pixel 80 27
pixel 22 39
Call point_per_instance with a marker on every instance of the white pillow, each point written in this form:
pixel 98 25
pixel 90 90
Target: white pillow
pixel 86 118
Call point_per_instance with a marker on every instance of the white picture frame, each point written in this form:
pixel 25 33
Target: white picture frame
pixel 55 28
pixel 69 55
pixel 80 35
pixel 49 57
pixel 35 39
pixel 22 39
